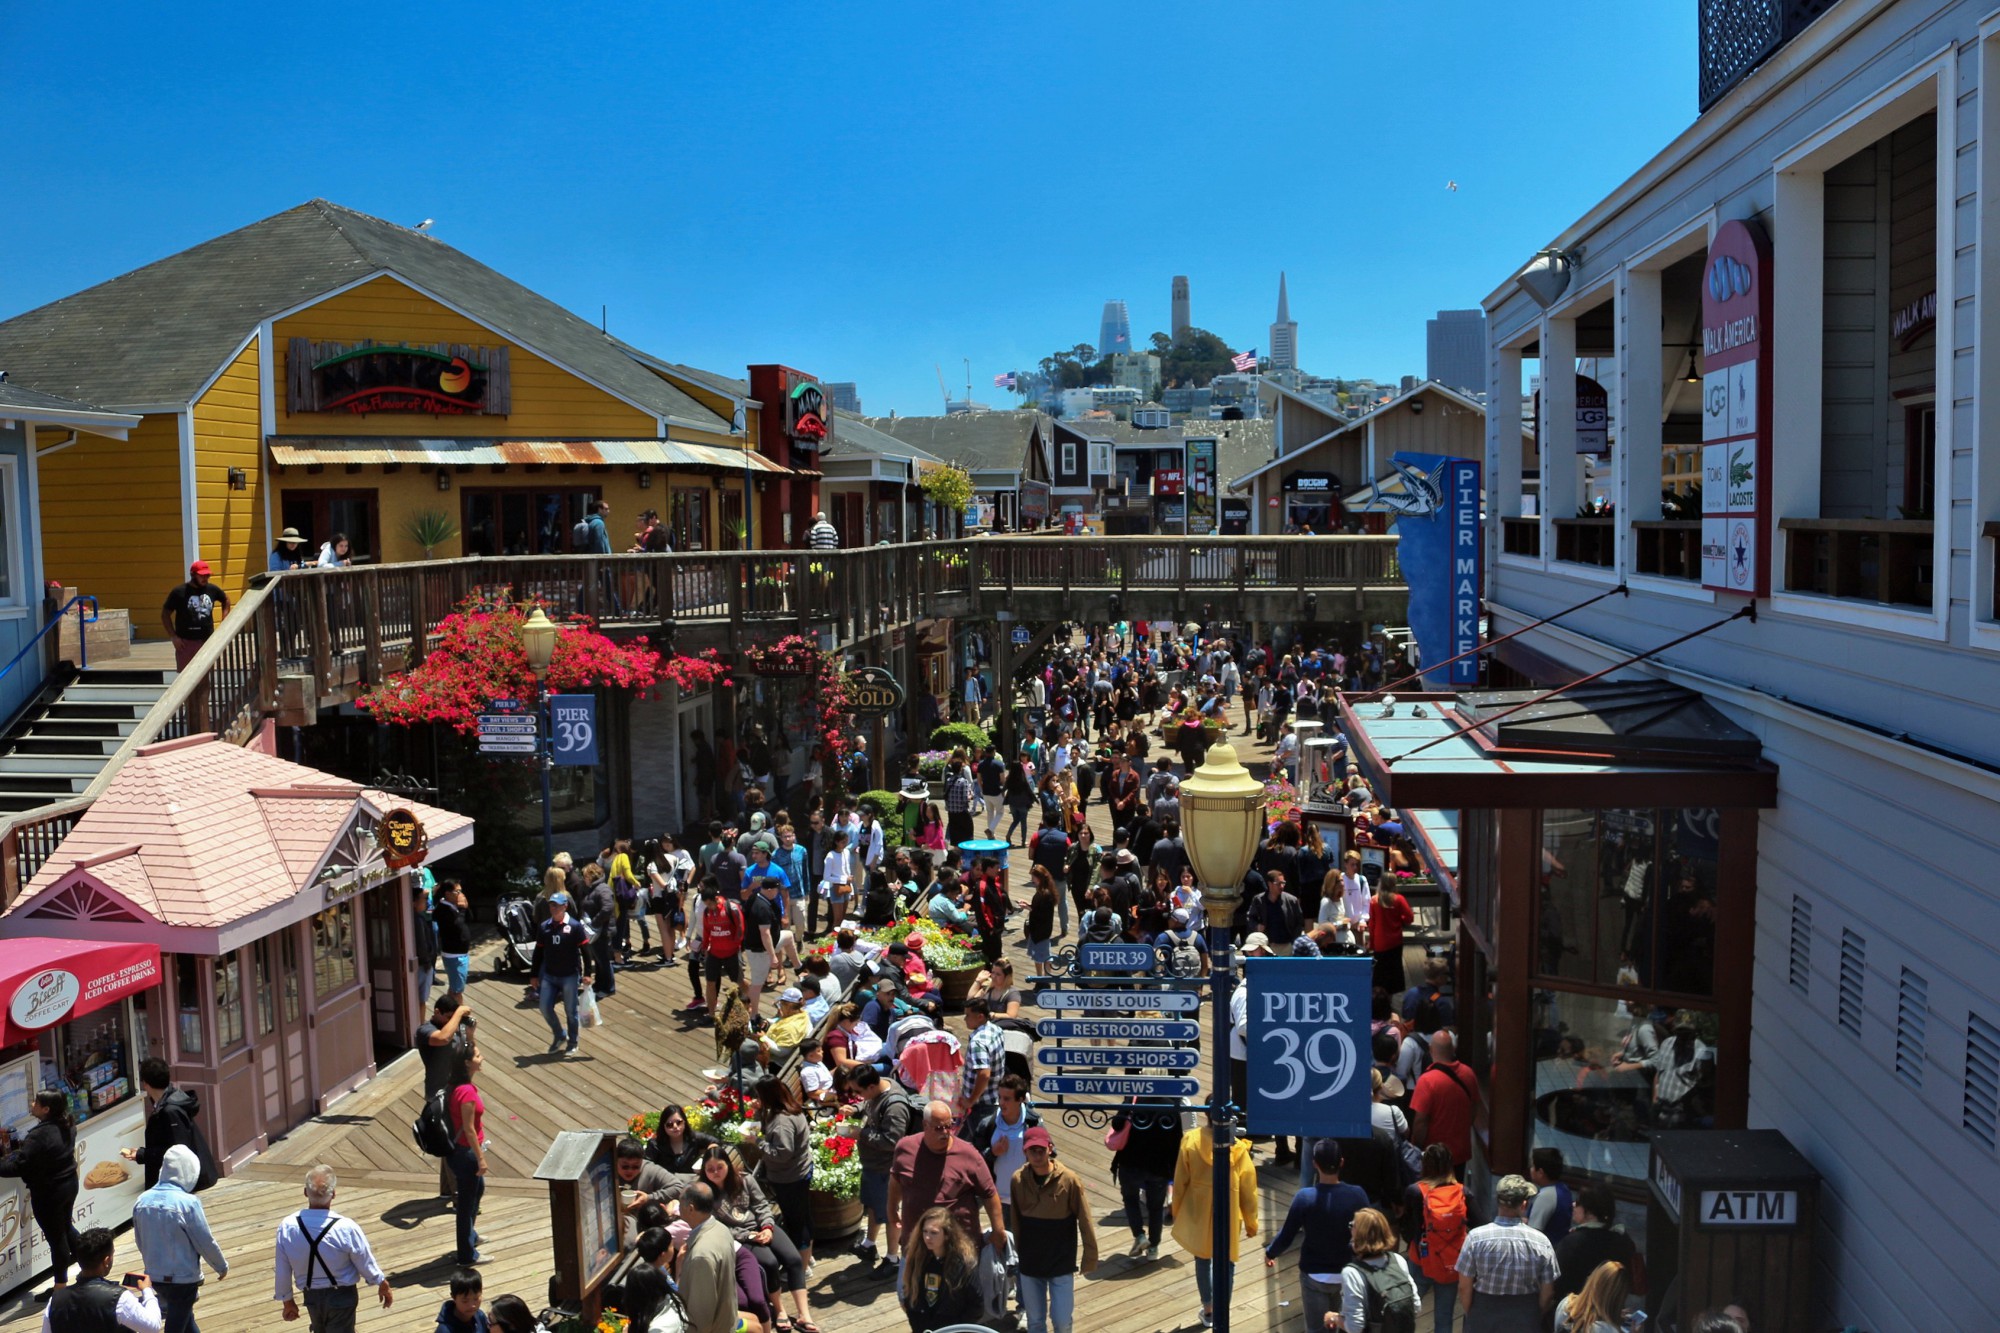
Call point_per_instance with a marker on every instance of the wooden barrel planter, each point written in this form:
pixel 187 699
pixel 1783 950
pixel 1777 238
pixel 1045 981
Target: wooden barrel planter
pixel 956 985
pixel 832 1216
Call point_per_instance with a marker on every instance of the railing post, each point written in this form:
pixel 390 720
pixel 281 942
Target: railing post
pixel 267 652
pixel 420 618
pixel 371 627
pixel 321 634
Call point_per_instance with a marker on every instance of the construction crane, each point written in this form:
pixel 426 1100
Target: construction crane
pixel 941 389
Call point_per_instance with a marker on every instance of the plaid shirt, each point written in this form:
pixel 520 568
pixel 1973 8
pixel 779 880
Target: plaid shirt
pixel 958 793
pixel 987 1049
pixel 1507 1258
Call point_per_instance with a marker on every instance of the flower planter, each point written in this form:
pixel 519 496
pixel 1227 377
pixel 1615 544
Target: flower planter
pixel 833 1216
pixel 955 985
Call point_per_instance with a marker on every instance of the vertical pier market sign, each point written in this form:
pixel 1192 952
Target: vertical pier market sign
pixel 434 379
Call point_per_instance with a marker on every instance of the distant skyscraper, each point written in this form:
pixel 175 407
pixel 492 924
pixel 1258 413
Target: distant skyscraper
pixel 1455 349
pixel 846 397
pixel 1114 331
pixel 1180 324
pixel 1284 354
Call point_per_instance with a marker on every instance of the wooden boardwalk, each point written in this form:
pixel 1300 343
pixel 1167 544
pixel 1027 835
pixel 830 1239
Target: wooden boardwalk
pixel 643 1056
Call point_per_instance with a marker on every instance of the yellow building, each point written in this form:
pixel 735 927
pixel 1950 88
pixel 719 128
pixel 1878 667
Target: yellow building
pixel 332 372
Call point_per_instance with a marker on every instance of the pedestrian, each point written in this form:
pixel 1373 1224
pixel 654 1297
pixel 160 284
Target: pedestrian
pixel 599 909
pixel 1437 1214
pixel 887 1113
pixel 1052 1218
pixel 1194 1205
pixel 170 1121
pixel 708 1265
pixel 960 791
pixel 1389 914
pixel 452 915
pixel 1553 1200
pixel 785 1138
pixel 1441 1105
pixel 96 1303
pixel 560 966
pixel 326 1258
pixel 993 790
pixel 1040 929
pixel 1506 1269
pixel 460 1312
pixel 44 1161
pixel 171 1230
pixel 940 1280
pixel 1323 1215
pixel 1594 1239
pixel 936 1168
pixel 822 535
pixel 1376 1291
pixel 1145 1143
pixel 631 897
pixel 1600 1306
pixel 999 1133
pixel 191 611
pixel 468 1150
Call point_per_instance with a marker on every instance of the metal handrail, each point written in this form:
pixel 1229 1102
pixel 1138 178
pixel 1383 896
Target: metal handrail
pixel 82 639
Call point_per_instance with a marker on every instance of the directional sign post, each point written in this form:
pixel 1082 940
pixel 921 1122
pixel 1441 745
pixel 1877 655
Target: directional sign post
pixel 507 727
pixel 1120 1057
pixel 1168 1001
pixel 1119 1029
pixel 1116 1086
pixel 1116 957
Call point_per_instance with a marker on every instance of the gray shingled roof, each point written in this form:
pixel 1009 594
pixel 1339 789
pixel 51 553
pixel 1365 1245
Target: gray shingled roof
pixel 27 402
pixel 728 384
pixel 983 441
pixel 155 335
pixel 853 436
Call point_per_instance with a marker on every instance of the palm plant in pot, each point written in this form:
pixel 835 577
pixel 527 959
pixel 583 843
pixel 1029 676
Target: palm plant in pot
pixel 430 529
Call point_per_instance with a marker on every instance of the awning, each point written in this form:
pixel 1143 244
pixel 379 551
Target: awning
pixel 328 451
pixel 46 981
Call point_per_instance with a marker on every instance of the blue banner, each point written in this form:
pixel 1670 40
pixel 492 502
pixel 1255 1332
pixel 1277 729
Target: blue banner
pixel 1309 1046
pixel 1440 540
pixel 573 729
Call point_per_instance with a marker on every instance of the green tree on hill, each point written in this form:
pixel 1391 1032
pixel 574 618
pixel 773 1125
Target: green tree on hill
pixel 1193 359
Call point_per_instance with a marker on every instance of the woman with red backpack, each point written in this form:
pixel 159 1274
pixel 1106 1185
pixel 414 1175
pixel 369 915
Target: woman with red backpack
pixel 1437 1214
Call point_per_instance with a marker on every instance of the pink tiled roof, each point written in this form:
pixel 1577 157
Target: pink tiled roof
pixel 202 833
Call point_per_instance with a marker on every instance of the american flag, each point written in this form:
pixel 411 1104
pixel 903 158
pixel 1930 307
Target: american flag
pixel 1005 381
pixel 1247 361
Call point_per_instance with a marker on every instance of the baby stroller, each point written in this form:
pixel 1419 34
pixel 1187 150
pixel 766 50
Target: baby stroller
pixel 517 934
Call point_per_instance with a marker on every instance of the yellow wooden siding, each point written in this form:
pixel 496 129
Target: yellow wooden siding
pixel 111 518
pixel 548 402
pixel 228 434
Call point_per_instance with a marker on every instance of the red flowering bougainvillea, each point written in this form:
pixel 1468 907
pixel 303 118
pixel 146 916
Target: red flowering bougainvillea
pixel 480 657
pixel 826 690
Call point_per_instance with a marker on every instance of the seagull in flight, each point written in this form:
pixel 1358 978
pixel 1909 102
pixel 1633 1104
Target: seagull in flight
pixel 1452 186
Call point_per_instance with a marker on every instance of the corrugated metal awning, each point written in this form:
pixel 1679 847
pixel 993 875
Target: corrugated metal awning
pixel 322 450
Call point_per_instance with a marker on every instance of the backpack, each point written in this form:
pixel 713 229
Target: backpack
pixel 1389 1298
pixel 1183 958
pixel 579 534
pixel 432 1127
pixel 1442 1232
pixel 1103 928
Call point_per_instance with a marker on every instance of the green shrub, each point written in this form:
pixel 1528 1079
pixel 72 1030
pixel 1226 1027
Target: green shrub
pixel 883 801
pixel 961 736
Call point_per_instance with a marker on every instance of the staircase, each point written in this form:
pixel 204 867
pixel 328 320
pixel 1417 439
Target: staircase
pixel 52 756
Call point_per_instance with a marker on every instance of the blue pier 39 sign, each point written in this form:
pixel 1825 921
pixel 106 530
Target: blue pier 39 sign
pixel 1438 542
pixel 1309 1049
pixel 573 729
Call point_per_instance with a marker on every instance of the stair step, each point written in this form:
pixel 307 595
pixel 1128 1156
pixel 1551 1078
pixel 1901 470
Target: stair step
pixel 34 743
pixel 13 803
pixel 72 710
pixel 52 764
pixel 64 785
pixel 83 692
pixel 126 676
pixel 53 728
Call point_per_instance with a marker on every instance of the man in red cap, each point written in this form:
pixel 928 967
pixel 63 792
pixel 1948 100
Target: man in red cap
pixel 1052 1221
pixel 189 614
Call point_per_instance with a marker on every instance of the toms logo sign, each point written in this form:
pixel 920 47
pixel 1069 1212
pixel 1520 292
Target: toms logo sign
pixel 44 998
pixel 1749 1208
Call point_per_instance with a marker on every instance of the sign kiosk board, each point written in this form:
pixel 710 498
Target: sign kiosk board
pixel 585 1219
pixel 1723 1203
pixel 1736 412
pixel 1309 1046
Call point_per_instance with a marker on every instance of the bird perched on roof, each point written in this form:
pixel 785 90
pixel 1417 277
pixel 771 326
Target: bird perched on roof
pixel 425 225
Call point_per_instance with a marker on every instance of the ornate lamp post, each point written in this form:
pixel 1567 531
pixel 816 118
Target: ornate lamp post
pixel 538 640
pixel 1222 820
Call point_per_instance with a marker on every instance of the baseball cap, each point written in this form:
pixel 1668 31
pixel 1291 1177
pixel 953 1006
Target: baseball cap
pixel 757 822
pixel 1514 1189
pixel 1181 917
pixel 792 995
pixel 1037 1137
pixel 199 567
pixel 559 899
pixel 1256 940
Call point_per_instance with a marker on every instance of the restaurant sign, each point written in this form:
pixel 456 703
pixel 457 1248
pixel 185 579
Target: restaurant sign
pixel 433 379
pixel 400 835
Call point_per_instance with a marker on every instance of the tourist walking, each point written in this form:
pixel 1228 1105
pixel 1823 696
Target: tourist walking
pixel 1057 1237
pixel 170 1121
pixel 96 1303
pixel 887 1113
pixel 1594 1239
pixel 1507 1269
pixel 1441 1104
pixel 452 915
pixel 562 963
pixel 171 1230
pixel 191 611
pixel 1146 1144
pixel 1322 1214
pixel 44 1161
pixel 1377 1294
pixel 1437 1215
pixel 467 1110
pixel 323 1260
pixel 935 1168
pixel 1194 1205
pixel 786 1141
pixel 822 535
pixel 940 1286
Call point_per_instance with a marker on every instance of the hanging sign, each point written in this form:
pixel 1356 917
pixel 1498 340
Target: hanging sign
pixel 1167 1001
pixel 1201 487
pixel 1736 413
pixel 1440 544
pixel 1120 1057
pixel 433 379
pixel 400 835
pixel 1309 1045
pixel 873 692
pixel 573 729
pixel 1117 1086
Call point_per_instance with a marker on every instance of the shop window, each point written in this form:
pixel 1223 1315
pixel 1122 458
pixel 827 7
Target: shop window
pixel 228 1001
pixel 729 518
pixel 1628 898
pixel 522 520
pixel 288 974
pixel 188 1007
pixel 323 515
pixel 1609 1072
pixel 88 1061
pixel 267 1009
pixel 1479 869
pixel 334 967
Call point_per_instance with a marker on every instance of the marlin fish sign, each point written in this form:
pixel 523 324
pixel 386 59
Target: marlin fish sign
pixel 1440 543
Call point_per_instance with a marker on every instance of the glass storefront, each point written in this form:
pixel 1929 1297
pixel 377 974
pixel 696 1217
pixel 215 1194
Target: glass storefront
pixel 1628 898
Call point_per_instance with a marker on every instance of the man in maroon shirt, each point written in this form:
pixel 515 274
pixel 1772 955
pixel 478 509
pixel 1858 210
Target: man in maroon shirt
pixel 1386 918
pixel 936 1169
pixel 1446 1097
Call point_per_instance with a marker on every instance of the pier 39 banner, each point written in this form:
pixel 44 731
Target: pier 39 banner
pixel 1309 1050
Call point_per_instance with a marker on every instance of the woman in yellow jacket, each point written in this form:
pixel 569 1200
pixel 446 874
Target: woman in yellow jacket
pixel 1194 1225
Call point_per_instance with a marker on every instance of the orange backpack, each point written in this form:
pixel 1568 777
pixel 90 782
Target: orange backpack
pixel 1443 1232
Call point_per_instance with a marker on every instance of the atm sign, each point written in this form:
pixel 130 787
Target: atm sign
pixel 1749 1208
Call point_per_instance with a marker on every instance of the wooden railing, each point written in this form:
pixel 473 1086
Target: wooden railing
pixel 1521 536
pixel 1192 563
pixel 1868 559
pixel 1587 541
pixel 1669 548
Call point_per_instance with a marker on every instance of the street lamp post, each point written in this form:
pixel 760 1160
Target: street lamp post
pixel 538 639
pixel 1222 819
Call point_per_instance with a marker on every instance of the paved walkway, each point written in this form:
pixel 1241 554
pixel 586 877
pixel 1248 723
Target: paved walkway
pixel 644 1055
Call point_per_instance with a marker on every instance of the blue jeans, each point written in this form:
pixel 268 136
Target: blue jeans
pixel 1145 1198
pixel 1442 1300
pixel 566 988
pixel 457 971
pixel 177 1306
pixel 1048 1300
pixel 464 1164
pixel 1204 1282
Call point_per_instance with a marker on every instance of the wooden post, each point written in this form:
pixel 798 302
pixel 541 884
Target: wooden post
pixel 371 629
pixel 1735 949
pixel 1510 1095
pixel 320 634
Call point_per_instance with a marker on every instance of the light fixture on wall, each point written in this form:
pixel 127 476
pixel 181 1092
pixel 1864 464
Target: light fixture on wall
pixel 1416 407
pixel 1547 275
pixel 645 479
pixel 444 480
pixel 239 480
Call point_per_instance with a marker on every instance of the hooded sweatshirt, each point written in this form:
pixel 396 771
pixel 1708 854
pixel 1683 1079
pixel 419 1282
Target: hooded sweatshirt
pixel 172 1121
pixel 1193 1206
pixel 1049 1213
pixel 170 1226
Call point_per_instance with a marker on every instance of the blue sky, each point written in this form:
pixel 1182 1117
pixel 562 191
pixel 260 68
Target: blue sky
pixel 862 191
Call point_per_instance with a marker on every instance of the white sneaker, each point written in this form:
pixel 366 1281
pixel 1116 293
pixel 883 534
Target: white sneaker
pixel 1138 1247
pixel 1152 1253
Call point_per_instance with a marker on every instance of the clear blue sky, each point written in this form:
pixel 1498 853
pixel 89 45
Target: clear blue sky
pixel 862 191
